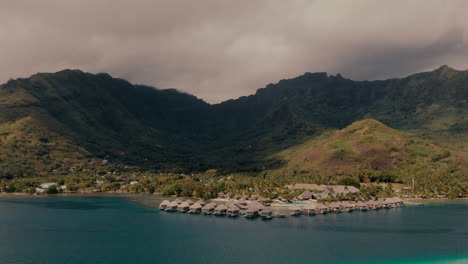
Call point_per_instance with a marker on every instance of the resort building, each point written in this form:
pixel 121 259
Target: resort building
pixel 321 209
pixel 266 213
pixel 347 206
pixel 220 209
pixel 294 210
pixel 361 206
pixel 172 206
pixel 163 204
pixel 232 210
pixel 183 207
pixel 309 210
pixel 201 202
pixel 252 211
pixel 307 195
pixel 195 208
pixel 208 209
pixel 334 207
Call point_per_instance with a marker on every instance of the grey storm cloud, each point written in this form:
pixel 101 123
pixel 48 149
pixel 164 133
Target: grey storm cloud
pixel 219 50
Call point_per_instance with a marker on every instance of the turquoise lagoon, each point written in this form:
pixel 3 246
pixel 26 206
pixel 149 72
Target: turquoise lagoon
pixel 118 230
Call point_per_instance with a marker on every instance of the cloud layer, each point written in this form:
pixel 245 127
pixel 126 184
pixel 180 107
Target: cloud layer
pixel 219 50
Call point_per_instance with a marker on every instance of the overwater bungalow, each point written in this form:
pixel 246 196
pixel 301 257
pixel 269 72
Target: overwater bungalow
pixel 178 201
pixel 334 207
pixel 347 206
pixel 266 213
pixel 163 204
pixel 309 210
pixel 258 205
pixel 220 210
pixel 383 203
pixel 201 202
pixel 172 206
pixel 361 206
pixel 372 205
pixel 321 209
pixel 398 201
pixel 195 208
pixel 208 209
pixel 232 210
pixel 183 207
pixel 251 212
pixel 295 211
pixel 189 202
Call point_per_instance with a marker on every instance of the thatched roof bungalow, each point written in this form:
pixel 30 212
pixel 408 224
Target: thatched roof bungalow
pixel 307 195
pixel 266 213
pixel 309 210
pixel 163 204
pixel 347 206
pixel 201 202
pixel 183 207
pixel 252 211
pixel 294 210
pixel 195 208
pixel 232 210
pixel 172 206
pixel 208 209
pixel 361 206
pixel 220 209
pixel 334 207
pixel 321 209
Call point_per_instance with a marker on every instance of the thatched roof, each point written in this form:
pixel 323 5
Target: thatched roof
pixel 178 201
pixel 200 202
pixel 183 205
pixel 209 206
pixel 196 206
pixel 172 204
pixel 251 209
pixel 232 208
pixel 190 202
pixel 306 194
pixel 221 207
pixel 165 202
pixel 321 206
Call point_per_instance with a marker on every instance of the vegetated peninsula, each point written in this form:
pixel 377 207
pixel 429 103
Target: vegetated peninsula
pixel 97 133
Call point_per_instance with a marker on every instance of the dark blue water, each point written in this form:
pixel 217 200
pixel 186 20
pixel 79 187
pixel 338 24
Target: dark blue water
pixel 115 230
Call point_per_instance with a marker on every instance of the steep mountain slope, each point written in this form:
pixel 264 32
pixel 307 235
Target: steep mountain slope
pixel 98 115
pixel 58 120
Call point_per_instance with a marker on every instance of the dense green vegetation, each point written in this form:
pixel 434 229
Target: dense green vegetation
pixel 68 124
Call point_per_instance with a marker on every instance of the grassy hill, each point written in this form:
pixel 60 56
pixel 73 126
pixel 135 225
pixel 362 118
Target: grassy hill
pixel 369 151
pixel 55 121
pixel 372 145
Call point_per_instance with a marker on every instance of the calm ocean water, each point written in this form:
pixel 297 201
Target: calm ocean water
pixel 116 230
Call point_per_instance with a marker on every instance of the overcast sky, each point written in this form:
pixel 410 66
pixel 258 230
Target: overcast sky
pixel 219 50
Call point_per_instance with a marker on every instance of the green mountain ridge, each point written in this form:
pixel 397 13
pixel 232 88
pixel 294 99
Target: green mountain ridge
pixel 54 121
